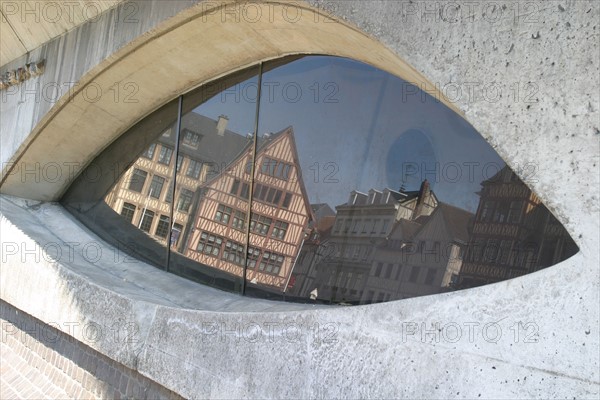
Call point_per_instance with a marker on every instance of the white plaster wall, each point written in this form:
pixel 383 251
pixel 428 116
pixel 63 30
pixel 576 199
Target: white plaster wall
pixel 370 351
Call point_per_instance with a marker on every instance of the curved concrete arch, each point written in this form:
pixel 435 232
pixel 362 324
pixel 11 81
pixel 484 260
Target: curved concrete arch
pixel 211 42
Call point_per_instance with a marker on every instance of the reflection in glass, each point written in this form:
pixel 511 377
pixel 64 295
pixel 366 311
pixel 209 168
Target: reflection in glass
pixel 356 188
pixel 214 184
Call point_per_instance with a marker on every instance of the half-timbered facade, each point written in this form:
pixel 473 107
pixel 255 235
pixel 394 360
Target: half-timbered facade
pixel 514 234
pixel 143 195
pixel 279 219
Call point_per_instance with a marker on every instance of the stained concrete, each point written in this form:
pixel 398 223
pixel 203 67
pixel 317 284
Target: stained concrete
pixel 548 347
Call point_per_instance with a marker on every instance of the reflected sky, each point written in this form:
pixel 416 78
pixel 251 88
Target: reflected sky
pixel 384 132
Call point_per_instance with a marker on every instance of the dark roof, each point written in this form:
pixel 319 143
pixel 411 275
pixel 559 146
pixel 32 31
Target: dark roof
pixel 212 147
pixel 409 228
pixel 403 196
pixel 322 210
pixel 458 221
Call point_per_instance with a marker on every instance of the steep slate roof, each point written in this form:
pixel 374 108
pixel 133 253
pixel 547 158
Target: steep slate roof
pixel 458 221
pixel 212 147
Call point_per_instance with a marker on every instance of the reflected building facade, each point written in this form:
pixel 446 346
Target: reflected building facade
pixel 514 234
pixel 366 254
pixel 242 220
pixel 279 218
pixel 144 194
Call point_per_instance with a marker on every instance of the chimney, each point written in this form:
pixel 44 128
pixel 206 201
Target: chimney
pixel 424 192
pixel 222 124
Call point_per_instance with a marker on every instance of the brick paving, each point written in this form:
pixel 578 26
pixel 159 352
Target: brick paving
pixel 21 380
pixel 39 362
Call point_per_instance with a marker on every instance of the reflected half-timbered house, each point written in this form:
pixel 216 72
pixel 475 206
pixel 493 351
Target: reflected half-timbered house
pixel 279 219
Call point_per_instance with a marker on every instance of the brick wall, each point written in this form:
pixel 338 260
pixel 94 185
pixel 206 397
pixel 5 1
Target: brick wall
pixel 39 361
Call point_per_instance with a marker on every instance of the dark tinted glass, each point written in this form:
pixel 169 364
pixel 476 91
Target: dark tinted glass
pixel 352 187
pixel 124 194
pixel 212 193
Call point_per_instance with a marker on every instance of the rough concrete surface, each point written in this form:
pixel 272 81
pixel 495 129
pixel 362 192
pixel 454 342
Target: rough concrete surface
pixel 532 337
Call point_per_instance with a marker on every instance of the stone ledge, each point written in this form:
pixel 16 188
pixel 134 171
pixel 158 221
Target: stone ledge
pixel 200 342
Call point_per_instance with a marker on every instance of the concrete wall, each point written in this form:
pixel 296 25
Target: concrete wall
pixel 532 337
pixel 39 361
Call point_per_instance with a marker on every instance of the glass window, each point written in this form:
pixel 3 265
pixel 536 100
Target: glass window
pixel 414 274
pixel 279 230
pixel 127 211
pixel 239 220
pixel 191 139
pixel 345 202
pixel 430 277
pixel 162 227
pixel 223 214
pixel 165 155
pixel 146 221
pixel 156 186
pixel 137 180
pixel 193 169
pixel 185 200
pixel 149 153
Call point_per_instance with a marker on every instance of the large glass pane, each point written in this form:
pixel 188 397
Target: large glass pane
pixel 212 194
pixel 368 189
pixel 124 195
pixel 358 188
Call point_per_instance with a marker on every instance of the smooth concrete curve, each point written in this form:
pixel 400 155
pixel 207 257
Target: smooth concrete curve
pixel 195 47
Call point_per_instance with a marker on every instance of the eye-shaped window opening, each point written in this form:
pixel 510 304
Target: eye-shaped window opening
pixel 318 179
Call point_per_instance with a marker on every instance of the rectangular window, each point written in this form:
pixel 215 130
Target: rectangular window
pixel 169 195
pixel 165 155
pixel 338 225
pixel 514 212
pixel 149 153
pixel 384 226
pixel 271 263
pixel 235 187
pixel 179 163
pixel 505 246
pixel 156 186
pixel 185 200
pixel 414 274
pixel 193 169
pixel 374 227
pixel 430 277
pixel 223 214
pixel 176 233
pixel 245 192
pixel 260 224
pixel 492 247
pixel 127 211
pixel 138 179
pixel 253 256
pixel 233 252
pixel 347 225
pixel 378 269
pixel 388 271
pixel 209 244
pixel 279 230
pixel 287 200
pixel 239 220
pixel 162 228
pixel 147 219
pixel 275 168
pixel 355 225
pixel 191 139
pixel 366 226
pixel 487 211
pixel 240 189
pixel 398 272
